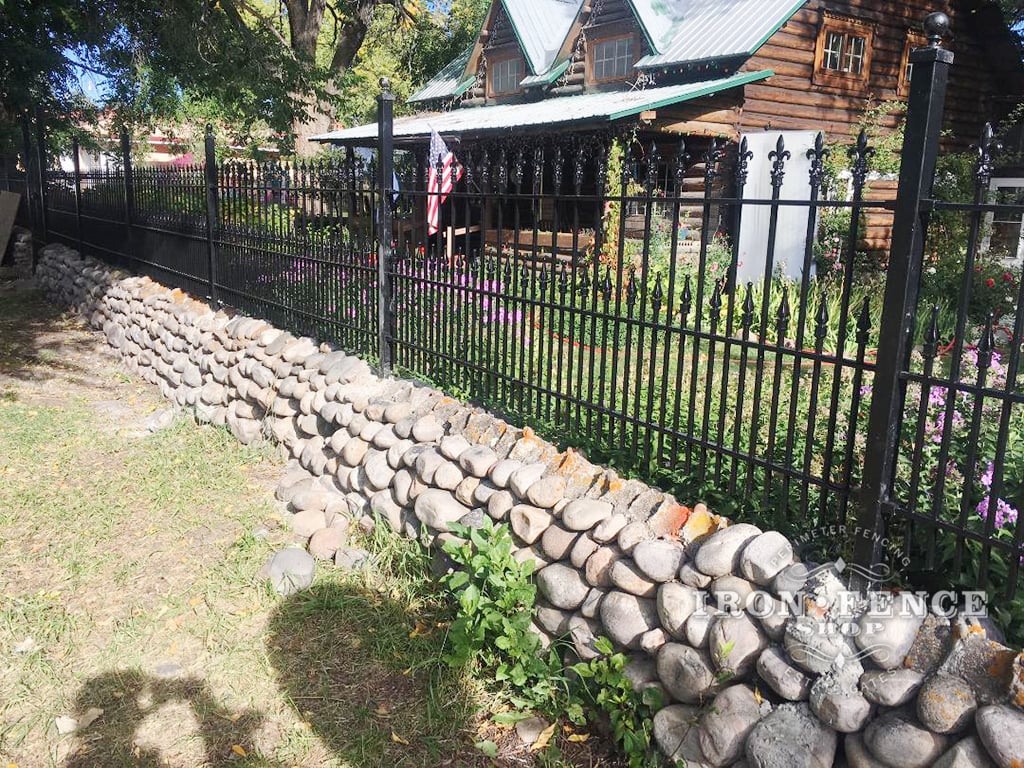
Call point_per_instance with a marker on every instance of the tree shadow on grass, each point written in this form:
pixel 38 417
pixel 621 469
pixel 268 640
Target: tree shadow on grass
pixel 130 697
pixel 364 671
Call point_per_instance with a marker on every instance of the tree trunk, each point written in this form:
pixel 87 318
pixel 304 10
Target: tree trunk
pixel 313 121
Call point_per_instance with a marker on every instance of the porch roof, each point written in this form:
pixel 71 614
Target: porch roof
pixel 584 110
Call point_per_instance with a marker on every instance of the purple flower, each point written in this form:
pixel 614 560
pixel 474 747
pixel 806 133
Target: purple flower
pixel 1004 515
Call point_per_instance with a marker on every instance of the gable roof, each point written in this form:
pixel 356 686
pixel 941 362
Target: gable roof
pixel 688 31
pixel 450 81
pixel 541 27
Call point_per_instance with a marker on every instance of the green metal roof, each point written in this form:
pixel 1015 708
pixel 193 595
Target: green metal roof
pixel 702 30
pixel 447 83
pixel 586 109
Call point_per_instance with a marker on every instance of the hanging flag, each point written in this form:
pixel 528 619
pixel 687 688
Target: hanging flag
pixel 439 184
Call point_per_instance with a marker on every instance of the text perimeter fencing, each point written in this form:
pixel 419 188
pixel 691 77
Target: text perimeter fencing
pixel 584 285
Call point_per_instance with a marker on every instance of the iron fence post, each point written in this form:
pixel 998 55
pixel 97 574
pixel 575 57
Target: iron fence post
pixel 212 212
pixel 129 192
pixel 917 172
pixel 41 177
pixel 76 162
pixel 385 177
pixel 30 194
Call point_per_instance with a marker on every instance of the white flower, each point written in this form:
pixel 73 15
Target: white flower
pixel 931 270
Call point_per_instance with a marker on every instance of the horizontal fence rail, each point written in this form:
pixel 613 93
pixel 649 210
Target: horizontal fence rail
pixel 717 317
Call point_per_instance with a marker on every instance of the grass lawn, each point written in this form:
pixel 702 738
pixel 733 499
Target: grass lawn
pixel 127 585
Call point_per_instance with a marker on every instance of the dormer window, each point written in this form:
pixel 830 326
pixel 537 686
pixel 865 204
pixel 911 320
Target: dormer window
pixel 843 55
pixel 613 58
pixel 505 75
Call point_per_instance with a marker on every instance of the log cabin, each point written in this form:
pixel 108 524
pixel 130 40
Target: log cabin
pixel 567 71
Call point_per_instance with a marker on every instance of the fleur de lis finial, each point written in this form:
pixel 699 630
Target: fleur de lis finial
pixel 817 155
pixel 779 156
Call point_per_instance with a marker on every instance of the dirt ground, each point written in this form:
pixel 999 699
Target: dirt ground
pixel 132 630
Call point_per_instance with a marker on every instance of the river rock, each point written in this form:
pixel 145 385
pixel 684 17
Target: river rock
pixel 782 677
pixel 791 737
pixel 887 633
pixel 724 728
pixel 659 560
pixel 436 509
pixel 291 570
pixel 686 672
pixel 598 568
pixel 721 552
pixel 735 642
pixel 557 542
pixel 1001 730
pixel 676 603
pixel 584 514
pixel 478 460
pixel 563 586
pixel 308 522
pixel 946 704
pixel 966 753
pixel 546 492
pixel 765 556
pixel 676 734
pixel 528 522
pixel 836 701
pixel 890 687
pixel 627 617
pixel 898 740
pixel 626 576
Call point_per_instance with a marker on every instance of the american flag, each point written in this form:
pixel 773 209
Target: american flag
pixel 439 186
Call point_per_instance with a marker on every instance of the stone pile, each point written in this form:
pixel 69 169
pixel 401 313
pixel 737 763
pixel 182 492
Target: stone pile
pixel 762 660
pixel 21 248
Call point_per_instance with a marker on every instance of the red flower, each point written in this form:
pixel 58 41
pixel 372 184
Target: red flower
pixel 990 283
pixel 977 267
pixel 1007 277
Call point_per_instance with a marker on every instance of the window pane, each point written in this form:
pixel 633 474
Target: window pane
pixel 833 51
pixel 854 63
pixel 612 58
pixel 506 76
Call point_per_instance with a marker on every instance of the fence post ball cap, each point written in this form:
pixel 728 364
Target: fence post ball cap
pixel 385 84
pixel 936 27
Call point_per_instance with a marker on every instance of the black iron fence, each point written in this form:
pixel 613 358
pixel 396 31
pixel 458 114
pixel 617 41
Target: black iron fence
pixel 703 314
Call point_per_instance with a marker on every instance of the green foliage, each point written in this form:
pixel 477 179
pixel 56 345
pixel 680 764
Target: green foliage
pixel 603 689
pixel 492 630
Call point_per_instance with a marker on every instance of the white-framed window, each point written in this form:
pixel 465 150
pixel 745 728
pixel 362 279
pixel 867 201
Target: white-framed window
pixel 613 59
pixel 844 52
pixel 505 75
pixel 1004 230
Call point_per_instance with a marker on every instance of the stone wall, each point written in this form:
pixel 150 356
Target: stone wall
pixel 763 660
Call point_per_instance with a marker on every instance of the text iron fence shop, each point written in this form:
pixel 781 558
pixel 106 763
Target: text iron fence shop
pixel 603 292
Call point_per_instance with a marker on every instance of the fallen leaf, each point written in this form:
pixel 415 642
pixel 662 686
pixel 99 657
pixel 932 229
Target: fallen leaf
pixel 239 750
pixel 578 737
pixel 544 738
pixel 398 739
pixel 65 724
pixel 383 710
pixel 420 630
pixel 88 718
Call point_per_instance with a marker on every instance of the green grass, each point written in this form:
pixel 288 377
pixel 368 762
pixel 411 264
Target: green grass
pixel 127 581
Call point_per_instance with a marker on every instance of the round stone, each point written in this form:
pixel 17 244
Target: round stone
pixel 966 753
pixel 723 730
pixel 291 570
pixel 686 672
pixel 735 642
pixel 791 737
pixel 478 460
pixel 1001 730
pixel 557 542
pixel 546 492
pixel 900 742
pixel 721 552
pixel 308 522
pixel 598 568
pixel 676 603
pixel 890 687
pixel 946 704
pixel 765 556
pixel 659 559
pixel 584 514
pixel 888 629
pixel 609 528
pixel 837 703
pixel 627 617
pixel 327 541
pixel 529 522
pixel 562 586
pixel 785 679
pixel 676 734
pixel 626 576
pixel 436 509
